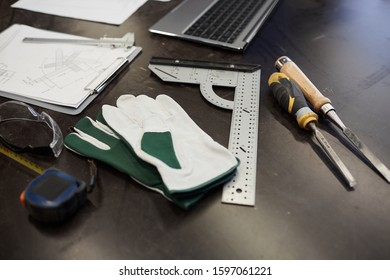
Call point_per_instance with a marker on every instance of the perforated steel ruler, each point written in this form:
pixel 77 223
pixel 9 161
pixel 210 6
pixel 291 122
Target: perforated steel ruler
pixel 244 126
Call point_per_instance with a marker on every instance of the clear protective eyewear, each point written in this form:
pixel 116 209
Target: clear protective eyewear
pixel 23 130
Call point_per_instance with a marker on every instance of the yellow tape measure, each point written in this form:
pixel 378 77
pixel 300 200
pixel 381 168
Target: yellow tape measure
pixel 22 160
pixel 53 196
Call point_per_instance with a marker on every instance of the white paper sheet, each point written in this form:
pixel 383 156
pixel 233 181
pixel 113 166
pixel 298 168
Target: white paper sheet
pixel 56 73
pixel 107 11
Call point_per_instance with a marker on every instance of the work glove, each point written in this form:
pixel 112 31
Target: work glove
pixel 161 133
pixel 94 139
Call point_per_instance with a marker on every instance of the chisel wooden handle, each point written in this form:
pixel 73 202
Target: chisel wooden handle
pixel 312 94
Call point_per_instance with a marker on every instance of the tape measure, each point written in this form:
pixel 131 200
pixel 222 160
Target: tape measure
pixel 245 78
pixel 53 196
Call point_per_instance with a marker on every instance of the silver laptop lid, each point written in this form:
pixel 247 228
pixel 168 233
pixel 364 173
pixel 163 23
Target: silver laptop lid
pixel 180 19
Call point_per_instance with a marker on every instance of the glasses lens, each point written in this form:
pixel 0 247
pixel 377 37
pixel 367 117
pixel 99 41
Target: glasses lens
pixel 22 126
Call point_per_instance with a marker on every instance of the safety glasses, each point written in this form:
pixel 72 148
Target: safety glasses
pixel 23 130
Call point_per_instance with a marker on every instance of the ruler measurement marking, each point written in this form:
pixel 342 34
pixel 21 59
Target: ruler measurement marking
pixel 244 124
pixel 165 73
pixel 242 189
pixel 20 159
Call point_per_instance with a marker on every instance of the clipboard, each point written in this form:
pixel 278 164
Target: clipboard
pixel 64 78
pixel 95 92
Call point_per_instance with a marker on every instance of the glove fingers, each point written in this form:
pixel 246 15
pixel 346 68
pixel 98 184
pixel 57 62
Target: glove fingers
pixel 141 108
pixel 154 115
pixel 89 129
pixel 85 146
pixel 152 141
pixel 122 124
pixel 170 106
pixel 129 104
pixel 152 107
pixel 89 140
pixel 180 117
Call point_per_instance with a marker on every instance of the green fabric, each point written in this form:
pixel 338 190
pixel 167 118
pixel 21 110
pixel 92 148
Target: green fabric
pixel 118 156
pixel 160 145
pixel 122 158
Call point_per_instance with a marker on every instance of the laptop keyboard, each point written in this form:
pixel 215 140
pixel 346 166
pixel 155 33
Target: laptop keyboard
pixel 225 20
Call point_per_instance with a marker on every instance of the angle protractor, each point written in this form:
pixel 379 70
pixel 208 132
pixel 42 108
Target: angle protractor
pixel 245 79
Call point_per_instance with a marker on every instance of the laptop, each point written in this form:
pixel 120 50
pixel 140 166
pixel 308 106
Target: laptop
pixel 230 24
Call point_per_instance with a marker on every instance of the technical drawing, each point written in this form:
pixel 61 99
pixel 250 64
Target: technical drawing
pixel 61 70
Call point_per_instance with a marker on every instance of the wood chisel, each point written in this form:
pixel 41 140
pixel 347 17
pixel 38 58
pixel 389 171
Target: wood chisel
pixel 323 105
pixel 291 98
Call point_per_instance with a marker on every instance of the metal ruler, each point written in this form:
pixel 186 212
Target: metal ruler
pixel 244 126
pixel 126 41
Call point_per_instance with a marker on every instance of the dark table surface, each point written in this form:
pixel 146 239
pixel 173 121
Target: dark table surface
pixel 303 209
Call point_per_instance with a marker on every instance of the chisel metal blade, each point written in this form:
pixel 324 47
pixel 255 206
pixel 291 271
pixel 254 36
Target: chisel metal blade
pixel 379 166
pixel 333 156
pixel 366 152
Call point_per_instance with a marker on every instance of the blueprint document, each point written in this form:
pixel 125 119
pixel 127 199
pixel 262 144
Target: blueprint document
pixel 107 11
pixel 57 73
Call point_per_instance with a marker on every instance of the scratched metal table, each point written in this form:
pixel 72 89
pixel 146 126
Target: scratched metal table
pixel 303 210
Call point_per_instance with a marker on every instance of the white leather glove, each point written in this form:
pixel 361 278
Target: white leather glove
pixel 161 133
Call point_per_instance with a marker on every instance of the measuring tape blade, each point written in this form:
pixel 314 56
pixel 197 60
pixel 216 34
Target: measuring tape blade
pixel 244 126
pixel 22 160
